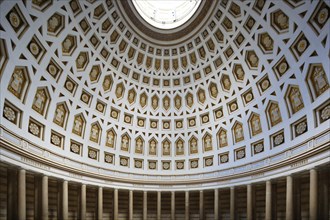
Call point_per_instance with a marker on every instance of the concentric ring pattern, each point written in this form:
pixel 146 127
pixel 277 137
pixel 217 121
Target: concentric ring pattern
pixel 81 82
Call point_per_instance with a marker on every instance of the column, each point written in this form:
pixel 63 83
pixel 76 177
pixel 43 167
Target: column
pixel 130 201
pixel 186 205
pixel 232 203
pixel 324 178
pixel 115 204
pixel 173 205
pixel 201 205
pixel 159 206
pixel 65 200
pixel 21 195
pixel 249 202
pixel 11 192
pixel 100 203
pixel 313 195
pixel 216 204
pixel 145 205
pixel 289 198
pixel 268 200
pixel 44 198
pixel 83 202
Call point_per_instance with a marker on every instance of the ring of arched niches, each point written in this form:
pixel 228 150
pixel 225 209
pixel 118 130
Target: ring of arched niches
pixel 200 141
pixel 225 109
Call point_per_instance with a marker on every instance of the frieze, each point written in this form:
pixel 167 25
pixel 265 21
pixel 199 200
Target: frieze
pixel 257 175
pixel 75 175
pixel 35 164
pixel 165 186
pixel 299 163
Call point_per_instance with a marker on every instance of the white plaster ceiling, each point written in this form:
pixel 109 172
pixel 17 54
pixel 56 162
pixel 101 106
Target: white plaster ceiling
pixel 257 74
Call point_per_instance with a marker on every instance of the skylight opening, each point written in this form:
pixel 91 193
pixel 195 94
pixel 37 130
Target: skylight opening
pixel 166 14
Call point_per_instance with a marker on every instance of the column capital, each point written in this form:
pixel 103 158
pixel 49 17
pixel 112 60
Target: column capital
pixel 313 169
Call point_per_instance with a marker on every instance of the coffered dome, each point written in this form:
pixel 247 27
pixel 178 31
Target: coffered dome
pixel 90 83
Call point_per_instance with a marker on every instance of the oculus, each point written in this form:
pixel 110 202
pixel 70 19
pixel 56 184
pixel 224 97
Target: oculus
pixel 163 15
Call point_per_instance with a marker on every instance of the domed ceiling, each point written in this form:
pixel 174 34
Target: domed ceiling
pixel 241 81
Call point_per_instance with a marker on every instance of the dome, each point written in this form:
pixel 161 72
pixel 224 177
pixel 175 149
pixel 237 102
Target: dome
pixel 235 93
pixel 87 85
